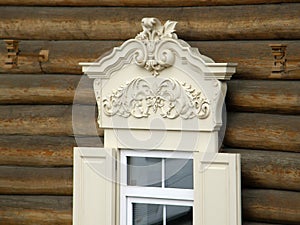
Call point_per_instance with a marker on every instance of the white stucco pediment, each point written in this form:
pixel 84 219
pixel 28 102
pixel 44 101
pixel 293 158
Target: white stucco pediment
pixel 157 76
pixel 157 82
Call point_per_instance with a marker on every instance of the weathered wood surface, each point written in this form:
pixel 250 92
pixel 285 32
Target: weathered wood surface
pixel 42 150
pixel 243 95
pixel 263 131
pixel 264 96
pixel 269 169
pixel 271 206
pixel 244 130
pixel 149 3
pixel 35 180
pixel 194 23
pixel 46 89
pixel 254 223
pixel 254 58
pixel 260 169
pixel 37 210
pixel 52 120
pixel 261 205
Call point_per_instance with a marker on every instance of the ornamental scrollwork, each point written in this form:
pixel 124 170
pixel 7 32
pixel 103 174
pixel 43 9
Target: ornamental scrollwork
pixel 140 98
pixel 152 35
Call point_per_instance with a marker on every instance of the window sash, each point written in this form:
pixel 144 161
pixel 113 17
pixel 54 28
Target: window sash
pixel 150 195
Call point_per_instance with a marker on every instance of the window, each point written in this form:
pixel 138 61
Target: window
pixel 156 188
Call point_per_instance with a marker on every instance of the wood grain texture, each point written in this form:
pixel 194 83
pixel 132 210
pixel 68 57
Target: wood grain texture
pixel 149 3
pixel 271 206
pixel 243 95
pixel 255 223
pixel 244 130
pixel 37 210
pixel 194 23
pixel 46 89
pixel 34 180
pixel 254 58
pixel 52 120
pixel 263 131
pixel 46 151
pixel 260 169
pixel 263 96
pixel 268 206
pixel 269 169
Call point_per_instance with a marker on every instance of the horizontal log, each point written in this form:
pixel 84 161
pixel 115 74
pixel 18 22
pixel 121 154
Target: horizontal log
pixel 263 96
pixel 271 206
pixel 269 169
pixel 194 23
pixel 34 180
pixel 260 169
pixel 263 131
pixel 149 3
pixel 243 95
pixel 42 150
pixel 254 58
pixel 52 120
pixel 38 210
pixel 46 89
pixel 258 205
pixel 258 223
pixel 244 130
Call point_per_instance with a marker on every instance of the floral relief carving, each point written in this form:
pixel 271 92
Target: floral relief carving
pixel 153 33
pixel 140 98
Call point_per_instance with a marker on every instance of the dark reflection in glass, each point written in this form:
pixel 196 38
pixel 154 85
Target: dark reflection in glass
pixel 179 215
pixel 179 173
pixel 147 214
pixel 142 171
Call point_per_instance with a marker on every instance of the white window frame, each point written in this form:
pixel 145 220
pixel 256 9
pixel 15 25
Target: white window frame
pixel 150 195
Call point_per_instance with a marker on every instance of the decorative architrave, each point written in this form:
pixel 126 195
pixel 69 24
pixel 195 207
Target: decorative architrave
pixel 157 76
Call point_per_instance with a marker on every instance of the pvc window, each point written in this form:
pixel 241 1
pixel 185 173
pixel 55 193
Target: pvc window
pixel 156 188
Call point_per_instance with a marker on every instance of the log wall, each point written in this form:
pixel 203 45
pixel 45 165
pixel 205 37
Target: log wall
pixel 38 133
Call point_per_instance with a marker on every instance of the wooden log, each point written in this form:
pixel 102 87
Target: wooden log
pixel 268 206
pixel 194 23
pixel 63 56
pixel 263 131
pixel 263 96
pixel 149 3
pixel 271 206
pixel 38 210
pixel 243 95
pixel 42 150
pixel 244 130
pixel 260 169
pixel 269 169
pixel 46 89
pixel 34 180
pixel 52 120
pixel 254 58
pixel 255 223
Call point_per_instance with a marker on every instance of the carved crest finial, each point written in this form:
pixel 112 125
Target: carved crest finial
pixel 154 31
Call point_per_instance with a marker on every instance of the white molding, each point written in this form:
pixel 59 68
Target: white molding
pixel 156 92
pixel 157 53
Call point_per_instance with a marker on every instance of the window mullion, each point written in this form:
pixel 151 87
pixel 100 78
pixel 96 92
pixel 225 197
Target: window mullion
pixel 165 215
pixel 163 173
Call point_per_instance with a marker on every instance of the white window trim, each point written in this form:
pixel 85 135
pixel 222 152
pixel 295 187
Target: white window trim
pixel 150 195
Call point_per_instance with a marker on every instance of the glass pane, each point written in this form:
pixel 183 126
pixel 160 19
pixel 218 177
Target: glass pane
pixel 179 173
pixel 179 215
pixel 147 214
pixel 142 171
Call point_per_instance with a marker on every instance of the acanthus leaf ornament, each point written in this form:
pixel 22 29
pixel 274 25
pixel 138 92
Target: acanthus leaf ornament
pixel 154 33
pixel 142 97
